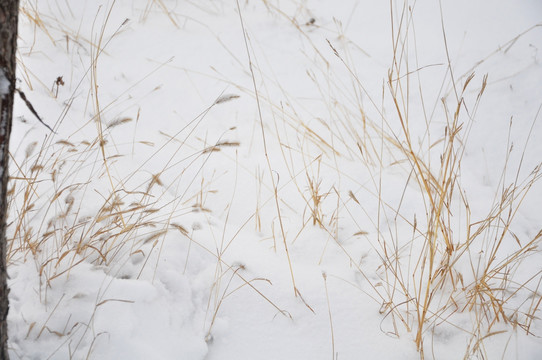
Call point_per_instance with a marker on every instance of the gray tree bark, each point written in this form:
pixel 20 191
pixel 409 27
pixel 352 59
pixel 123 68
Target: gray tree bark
pixel 9 11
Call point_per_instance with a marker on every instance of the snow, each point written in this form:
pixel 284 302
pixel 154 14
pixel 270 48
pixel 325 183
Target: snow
pixel 152 225
pixel 4 83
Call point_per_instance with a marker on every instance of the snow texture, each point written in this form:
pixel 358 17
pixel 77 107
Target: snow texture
pixel 4 83
pixel 154 225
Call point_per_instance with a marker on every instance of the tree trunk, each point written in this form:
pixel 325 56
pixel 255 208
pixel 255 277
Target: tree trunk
pixel 9 11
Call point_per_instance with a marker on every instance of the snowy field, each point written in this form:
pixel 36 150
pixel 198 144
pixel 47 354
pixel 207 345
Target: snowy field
pixel 277 179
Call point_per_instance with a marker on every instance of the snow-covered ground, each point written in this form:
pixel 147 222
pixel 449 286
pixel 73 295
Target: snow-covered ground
pixel 257 180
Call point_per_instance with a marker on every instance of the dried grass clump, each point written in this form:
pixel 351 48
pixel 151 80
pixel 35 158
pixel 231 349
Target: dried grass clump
pixel 72 201
pixel 441 266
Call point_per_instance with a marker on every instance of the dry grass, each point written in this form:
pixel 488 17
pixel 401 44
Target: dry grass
pixel 434 265
pixel 441 263
pixel 52 221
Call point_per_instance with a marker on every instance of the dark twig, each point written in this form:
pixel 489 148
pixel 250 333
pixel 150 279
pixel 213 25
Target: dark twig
pixel 32 110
